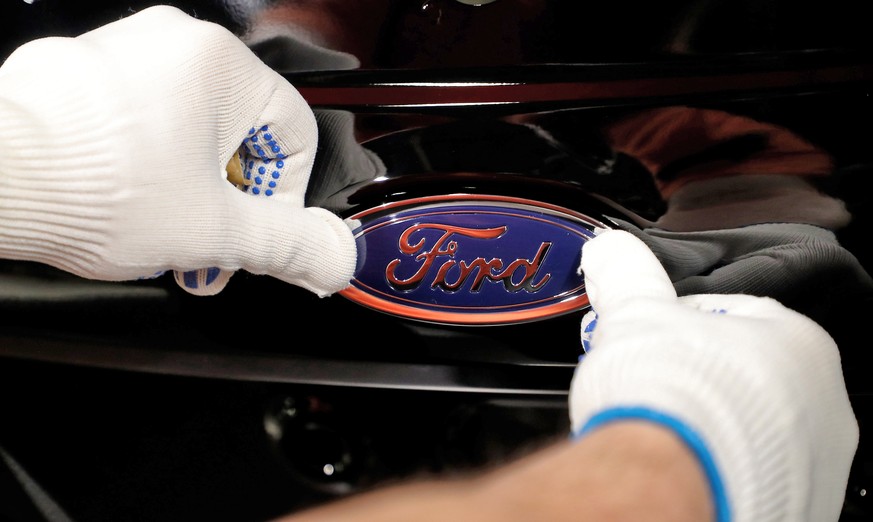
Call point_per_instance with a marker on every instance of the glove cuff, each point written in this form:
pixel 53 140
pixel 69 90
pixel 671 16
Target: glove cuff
pixel 689 436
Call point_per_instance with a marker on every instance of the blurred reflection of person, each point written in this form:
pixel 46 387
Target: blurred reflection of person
pixel 744 211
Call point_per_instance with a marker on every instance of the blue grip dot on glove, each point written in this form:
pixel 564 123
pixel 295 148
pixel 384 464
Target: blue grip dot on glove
pixel 589 323
pixel 267 160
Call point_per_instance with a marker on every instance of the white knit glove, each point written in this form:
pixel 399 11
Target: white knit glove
pixel 755 389
pixel 113 148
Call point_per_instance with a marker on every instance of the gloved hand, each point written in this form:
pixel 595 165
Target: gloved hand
pixel 113 148
pixel 755 389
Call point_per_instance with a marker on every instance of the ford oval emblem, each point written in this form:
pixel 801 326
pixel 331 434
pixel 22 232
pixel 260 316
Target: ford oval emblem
pixel 470 259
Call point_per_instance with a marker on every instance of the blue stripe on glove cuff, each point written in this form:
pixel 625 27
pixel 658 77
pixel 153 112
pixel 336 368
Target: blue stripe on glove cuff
pixel 694 441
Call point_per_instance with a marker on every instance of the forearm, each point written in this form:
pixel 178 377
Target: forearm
pixel 630 471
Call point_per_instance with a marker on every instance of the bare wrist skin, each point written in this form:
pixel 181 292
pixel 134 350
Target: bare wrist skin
pixel 627 471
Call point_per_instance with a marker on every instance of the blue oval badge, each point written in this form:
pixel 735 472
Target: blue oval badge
pixel 470 259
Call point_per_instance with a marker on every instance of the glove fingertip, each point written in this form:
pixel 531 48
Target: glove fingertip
pixel 204 281
pixel 618 266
